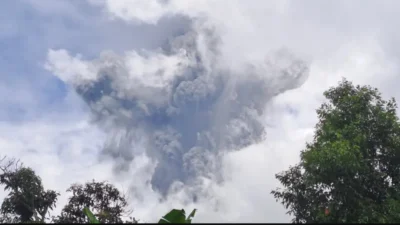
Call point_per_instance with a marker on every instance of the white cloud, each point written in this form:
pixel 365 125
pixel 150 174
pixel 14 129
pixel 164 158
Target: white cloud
pixel 68 67
pixel 248 35
pixel 56 149
pixel 339 40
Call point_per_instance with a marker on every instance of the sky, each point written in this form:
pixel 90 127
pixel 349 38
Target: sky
pixel 182 103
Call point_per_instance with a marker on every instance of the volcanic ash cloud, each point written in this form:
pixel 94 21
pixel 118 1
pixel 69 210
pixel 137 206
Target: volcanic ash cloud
pixel 182 104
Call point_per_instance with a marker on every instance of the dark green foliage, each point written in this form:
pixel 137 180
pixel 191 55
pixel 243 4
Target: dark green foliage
pixel 107 203
pixel 177 216
pixel 174 216
pixel 351 171
pixel 27 200
pixel 90 216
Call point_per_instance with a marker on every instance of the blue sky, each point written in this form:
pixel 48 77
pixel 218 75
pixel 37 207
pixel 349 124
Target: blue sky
pixel 30 28
pixel 220 54
pixel 25 38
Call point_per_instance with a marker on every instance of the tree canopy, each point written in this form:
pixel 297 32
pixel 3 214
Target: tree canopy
pixel 106 201
pixel 27 200
pixel 93 202
pixel 350 172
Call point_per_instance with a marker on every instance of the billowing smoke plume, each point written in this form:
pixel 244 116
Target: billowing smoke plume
pixel 181 104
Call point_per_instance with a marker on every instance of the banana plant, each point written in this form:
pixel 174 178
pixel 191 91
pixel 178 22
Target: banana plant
pixel 174 216
pixel 177 216
pixel 90 216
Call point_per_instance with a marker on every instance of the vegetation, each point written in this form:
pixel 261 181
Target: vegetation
pixel 27 200
pixel 103 198
pixel 350 172
pixel 93 202
pixel 177 216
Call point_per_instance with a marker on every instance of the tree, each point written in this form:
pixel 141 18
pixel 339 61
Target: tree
pixel 103 199
pixel 27 200
pixel 350 172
